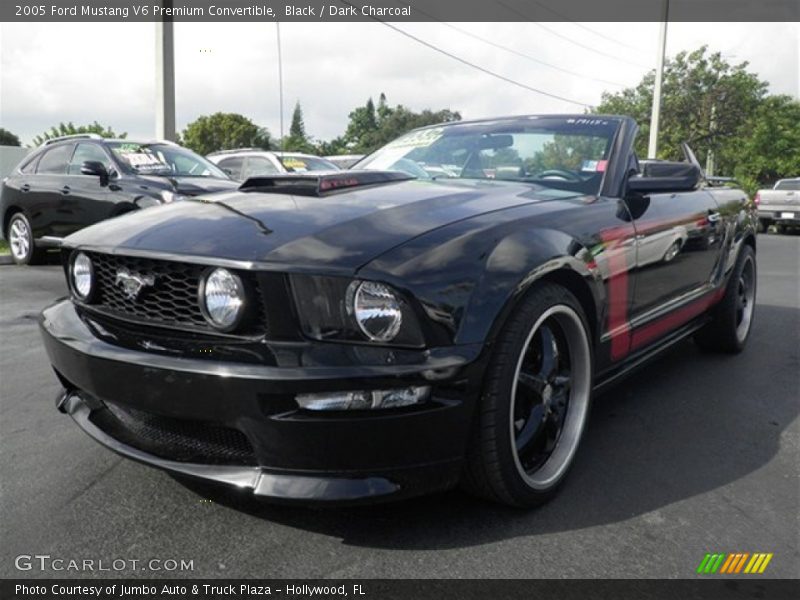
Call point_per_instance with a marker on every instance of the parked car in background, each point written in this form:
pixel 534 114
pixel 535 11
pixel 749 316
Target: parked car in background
pixel 779 206
pixel 375 334
pixel 252 162
pixel 344 161
pixel 74 181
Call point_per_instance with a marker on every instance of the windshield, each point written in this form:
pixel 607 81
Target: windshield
pixel 301 164
pixel 788 184
pixel 163 159
pixel 564 153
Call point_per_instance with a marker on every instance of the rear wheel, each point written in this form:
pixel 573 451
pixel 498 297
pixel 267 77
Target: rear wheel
pixel 732 318
pixel 535 402
pixel 21 243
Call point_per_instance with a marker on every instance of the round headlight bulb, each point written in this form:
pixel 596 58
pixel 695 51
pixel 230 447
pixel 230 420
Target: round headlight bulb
pixel 376 309
pixel 82 276
pixel 222 299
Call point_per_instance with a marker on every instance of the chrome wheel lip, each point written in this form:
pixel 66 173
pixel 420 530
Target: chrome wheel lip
pixel 19 239
pixel 561 456
pixel 745 298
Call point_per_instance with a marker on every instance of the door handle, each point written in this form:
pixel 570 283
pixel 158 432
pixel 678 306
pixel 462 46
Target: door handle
pixel 25 188
pixel 713 216
pixel 65 190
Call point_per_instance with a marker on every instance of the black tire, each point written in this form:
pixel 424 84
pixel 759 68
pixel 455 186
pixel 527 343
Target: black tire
pixel 763 226
pixel 780 229
pixel 501 465
pixel 732 318
pixel 21 243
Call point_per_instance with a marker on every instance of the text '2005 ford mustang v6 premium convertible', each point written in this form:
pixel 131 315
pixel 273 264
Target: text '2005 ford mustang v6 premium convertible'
pixel 442 314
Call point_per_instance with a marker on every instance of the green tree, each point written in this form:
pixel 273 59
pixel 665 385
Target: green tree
pixel 224 131
pixel 705 102
pixel 71 129
pixel 297 140
pixel 370 128
pixel 769 148
pixel 8 139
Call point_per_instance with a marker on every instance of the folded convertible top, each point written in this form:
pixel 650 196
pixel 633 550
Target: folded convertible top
pixel 319 184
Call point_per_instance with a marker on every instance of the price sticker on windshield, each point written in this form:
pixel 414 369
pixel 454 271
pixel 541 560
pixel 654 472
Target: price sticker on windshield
pixel 594 166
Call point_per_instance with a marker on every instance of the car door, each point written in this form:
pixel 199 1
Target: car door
pixel 46 190
pixel 678 245
pixel 85 199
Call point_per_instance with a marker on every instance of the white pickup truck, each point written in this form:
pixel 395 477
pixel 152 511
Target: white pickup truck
pixel 779 206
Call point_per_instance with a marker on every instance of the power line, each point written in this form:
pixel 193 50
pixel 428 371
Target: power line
pixel 511 50
pixel 473 65
pixel 529 57
pixel 582 26
pixel 567 38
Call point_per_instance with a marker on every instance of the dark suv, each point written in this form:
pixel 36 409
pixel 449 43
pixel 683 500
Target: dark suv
pixel 74 181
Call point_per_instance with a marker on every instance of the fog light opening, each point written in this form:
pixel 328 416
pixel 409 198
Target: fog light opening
pixel 365 399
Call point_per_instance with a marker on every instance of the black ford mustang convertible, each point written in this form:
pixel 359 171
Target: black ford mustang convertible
pixel 441 314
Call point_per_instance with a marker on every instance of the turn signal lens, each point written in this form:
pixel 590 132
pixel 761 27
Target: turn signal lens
pixel 364 399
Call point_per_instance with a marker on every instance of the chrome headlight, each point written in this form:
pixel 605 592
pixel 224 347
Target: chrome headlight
pixel 81 274
pixel 341 309
pixel 376 309
pixel 222 299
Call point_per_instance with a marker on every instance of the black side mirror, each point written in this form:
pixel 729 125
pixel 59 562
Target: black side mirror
pixel 96 168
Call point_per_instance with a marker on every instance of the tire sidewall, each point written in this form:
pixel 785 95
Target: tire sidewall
pixel 26 260
pixel 745 254
pixel 522 493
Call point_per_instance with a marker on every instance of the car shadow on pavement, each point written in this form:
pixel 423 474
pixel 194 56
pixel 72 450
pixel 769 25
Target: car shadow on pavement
pixel 687 424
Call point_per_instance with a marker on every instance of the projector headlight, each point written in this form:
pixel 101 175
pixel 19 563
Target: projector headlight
pixel 337 308
pixel 376 309
pixel 222 299
pixel 82 276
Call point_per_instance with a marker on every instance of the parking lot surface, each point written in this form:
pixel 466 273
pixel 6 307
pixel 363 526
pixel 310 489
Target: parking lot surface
pixel 696 453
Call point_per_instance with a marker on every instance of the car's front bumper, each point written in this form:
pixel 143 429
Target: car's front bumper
pixel 295 455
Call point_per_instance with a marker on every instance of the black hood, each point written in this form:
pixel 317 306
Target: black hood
pixel 341 231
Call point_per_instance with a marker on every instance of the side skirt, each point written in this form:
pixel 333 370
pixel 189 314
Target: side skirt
pixel 615 375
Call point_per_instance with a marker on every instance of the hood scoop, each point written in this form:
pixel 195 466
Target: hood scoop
pixel 320 184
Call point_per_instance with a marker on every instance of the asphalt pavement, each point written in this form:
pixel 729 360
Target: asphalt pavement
pixel 697 453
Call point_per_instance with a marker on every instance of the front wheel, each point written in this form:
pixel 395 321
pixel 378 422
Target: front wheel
pixel 535 402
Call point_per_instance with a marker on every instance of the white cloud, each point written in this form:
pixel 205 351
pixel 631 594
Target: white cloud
pixel 82 72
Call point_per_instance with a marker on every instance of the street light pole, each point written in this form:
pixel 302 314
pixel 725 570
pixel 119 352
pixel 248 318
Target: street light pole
pixel 652 148
pixel 165 79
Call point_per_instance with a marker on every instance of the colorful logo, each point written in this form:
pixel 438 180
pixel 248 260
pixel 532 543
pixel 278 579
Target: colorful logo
pixel 734 563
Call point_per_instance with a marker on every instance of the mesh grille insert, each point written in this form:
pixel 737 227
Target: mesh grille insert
pixel 175 439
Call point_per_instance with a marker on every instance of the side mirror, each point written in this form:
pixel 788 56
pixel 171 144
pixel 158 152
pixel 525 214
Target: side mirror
pixel 96 168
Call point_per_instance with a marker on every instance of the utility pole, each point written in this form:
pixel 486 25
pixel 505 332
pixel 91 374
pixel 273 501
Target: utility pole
pixel 652 148
pixel 280 78
pixel 165 79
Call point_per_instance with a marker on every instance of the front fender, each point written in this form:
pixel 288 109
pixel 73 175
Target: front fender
pixel 465 276
pixel 516 263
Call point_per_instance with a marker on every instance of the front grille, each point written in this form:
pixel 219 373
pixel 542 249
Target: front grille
pixel 175 439
pixel 171 301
